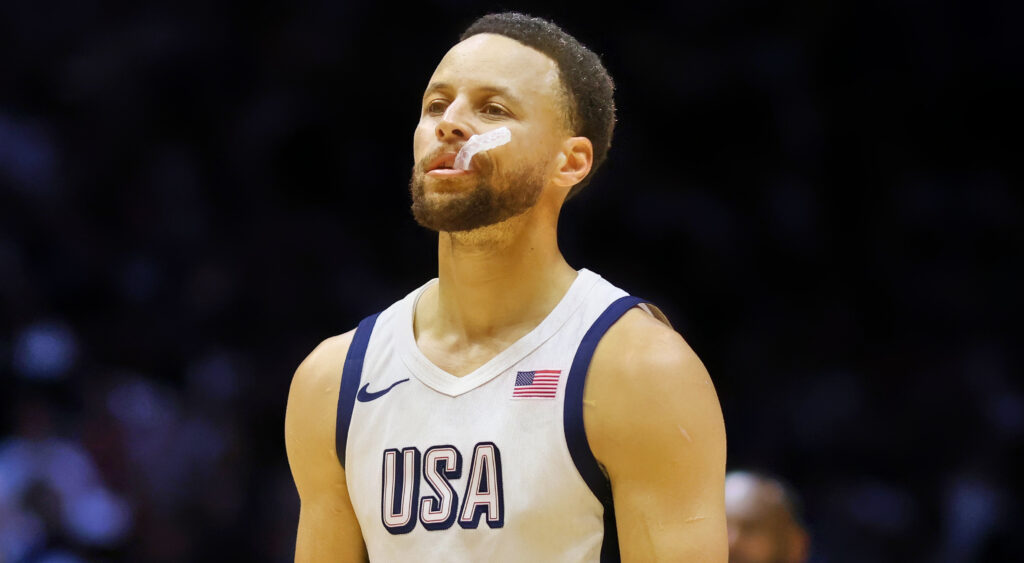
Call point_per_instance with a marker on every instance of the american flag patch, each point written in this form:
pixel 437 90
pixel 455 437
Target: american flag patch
pixel 537 384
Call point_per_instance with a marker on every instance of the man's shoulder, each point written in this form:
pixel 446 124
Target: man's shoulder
pixel 312 401
pixel 323 366
pixel 640 362
pixel 643 345
pixel 644 366
pixel 332 347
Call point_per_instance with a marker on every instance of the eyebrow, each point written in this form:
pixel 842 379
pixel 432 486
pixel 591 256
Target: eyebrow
pixel 501 91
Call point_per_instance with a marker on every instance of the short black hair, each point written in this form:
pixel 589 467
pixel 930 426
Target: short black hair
pixel 588 86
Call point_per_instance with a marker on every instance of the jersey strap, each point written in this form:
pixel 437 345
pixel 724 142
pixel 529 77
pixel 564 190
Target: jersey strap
pixel 576 436
pixel 350 376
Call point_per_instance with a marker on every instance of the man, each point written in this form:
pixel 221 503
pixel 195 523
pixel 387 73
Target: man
pixel 461 428
pixel 764 526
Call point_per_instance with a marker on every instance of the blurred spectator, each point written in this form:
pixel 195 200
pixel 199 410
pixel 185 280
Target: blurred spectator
pixel 765 525
pixel 51 493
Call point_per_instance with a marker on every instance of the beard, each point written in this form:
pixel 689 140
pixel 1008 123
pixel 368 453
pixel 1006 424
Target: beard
pixel 495 198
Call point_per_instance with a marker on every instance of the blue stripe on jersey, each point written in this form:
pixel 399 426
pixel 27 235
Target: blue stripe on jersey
pixel 575 434
pixel 350 376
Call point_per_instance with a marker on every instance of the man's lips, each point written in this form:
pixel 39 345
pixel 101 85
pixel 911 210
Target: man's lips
pixel 447 172
pixel 442 166
pixel 442 161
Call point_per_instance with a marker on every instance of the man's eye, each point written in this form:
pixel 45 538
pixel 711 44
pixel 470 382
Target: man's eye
pixel 495 110
pixel 436 107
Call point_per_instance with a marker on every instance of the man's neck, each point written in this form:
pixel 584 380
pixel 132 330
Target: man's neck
pixel 497 280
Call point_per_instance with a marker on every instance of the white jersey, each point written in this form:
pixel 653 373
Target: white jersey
pixel 490 466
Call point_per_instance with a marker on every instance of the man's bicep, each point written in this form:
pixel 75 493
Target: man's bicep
pixel 669 505
pixel 328 529
pixel 661 438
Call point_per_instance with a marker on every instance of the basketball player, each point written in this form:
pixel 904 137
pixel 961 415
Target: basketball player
pixel 515 408
pixel 764 525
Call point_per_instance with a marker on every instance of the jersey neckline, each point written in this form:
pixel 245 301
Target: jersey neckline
pixel 443 382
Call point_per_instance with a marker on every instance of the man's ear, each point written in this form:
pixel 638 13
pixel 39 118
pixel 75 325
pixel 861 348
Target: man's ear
pixel 574 162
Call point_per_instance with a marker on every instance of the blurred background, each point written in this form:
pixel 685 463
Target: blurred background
pixel 194 194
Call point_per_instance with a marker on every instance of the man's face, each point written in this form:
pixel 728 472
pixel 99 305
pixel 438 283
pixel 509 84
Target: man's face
pixel 483 83
pixel 756 539
pixel 760 528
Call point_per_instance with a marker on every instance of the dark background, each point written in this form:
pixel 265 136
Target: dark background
pixel 193 195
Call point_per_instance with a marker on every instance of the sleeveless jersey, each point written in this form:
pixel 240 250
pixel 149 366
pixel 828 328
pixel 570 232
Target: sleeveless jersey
pixel 490 466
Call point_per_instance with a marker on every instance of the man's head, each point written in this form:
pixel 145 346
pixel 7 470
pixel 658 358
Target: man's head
pixel 528 75
pixel 764 524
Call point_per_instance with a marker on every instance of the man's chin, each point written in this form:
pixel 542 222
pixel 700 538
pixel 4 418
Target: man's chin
pixel 453 205
pixel 463 224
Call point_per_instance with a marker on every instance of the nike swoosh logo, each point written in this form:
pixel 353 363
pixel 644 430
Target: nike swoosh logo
pixel 365 396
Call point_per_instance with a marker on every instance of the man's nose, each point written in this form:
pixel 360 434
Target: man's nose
pixel 452 125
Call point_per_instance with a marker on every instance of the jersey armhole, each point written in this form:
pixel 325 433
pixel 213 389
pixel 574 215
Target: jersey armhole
pixel 350 376
pixel 572 420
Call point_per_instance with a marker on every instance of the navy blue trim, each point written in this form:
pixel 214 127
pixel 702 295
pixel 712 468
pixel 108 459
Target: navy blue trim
pixel 572 420
pixel 350 376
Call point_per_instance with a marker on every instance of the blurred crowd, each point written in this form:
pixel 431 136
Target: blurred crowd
pixel 194 194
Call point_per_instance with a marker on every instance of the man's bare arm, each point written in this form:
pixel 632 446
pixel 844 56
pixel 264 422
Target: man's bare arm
pixel 654 423
pixel 328 529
